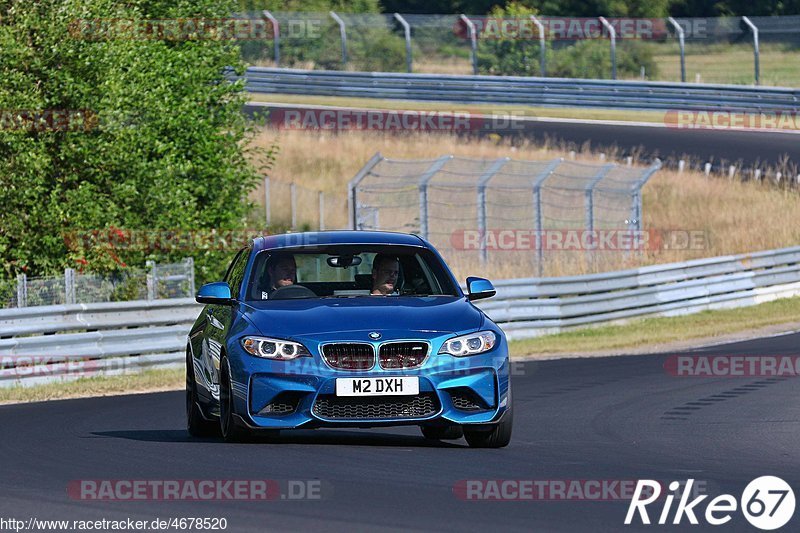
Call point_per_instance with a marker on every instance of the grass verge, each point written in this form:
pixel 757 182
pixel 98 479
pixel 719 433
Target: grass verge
pixel 662 330
pixel 147 381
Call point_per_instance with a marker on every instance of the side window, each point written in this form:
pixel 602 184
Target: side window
pixel 235 274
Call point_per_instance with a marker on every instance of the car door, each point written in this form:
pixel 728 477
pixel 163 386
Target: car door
pixel 218 320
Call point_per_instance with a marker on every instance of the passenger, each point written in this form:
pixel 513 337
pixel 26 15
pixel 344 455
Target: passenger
pixel 385 270
pixel 282 270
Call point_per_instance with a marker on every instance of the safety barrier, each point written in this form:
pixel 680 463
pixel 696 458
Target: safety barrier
pixel 524 90
pixel 50 343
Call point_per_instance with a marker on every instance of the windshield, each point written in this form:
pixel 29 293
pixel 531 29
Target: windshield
pixel 348 272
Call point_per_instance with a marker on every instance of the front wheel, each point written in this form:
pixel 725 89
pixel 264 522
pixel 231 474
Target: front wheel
pixel 229 427
pixel 497 437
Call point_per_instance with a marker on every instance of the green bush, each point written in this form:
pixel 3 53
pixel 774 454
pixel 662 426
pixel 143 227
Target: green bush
pixel 583 59
pixel 509 56
pixel 592 59
pixel 167 149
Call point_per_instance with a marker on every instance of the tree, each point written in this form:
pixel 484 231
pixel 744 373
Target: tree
pixel 164 147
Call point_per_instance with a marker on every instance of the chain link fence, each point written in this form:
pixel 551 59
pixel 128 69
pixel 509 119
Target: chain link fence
pixel 504 210
pixel 695 50
pixel 156 281
pixel 301 208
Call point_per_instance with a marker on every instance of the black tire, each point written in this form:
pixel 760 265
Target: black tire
pixel 442 432
pixel 497 437
pixel 229 427
pixel 196 424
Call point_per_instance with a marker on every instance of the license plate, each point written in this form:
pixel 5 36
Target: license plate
pixel 405 386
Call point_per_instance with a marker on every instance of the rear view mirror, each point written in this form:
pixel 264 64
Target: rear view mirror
pixel 344 261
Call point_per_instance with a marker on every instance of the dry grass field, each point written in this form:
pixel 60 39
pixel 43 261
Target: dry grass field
pixel 731 216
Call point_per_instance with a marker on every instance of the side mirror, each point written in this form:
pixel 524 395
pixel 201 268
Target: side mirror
pixel 218 293
pixel 479 288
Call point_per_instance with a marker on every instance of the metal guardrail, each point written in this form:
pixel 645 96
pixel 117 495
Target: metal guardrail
pixel 52 343
pixel 539 306
pixel 523 91
pixel 55 342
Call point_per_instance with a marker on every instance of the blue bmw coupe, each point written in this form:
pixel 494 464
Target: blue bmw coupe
pixel 346 329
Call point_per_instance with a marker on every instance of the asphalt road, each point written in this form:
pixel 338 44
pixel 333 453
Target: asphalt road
pixel 621 418
pixel 721 148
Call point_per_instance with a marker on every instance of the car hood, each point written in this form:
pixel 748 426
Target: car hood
pixel 335 318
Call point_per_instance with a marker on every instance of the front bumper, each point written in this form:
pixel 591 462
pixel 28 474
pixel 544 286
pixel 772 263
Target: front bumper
pixel 302 393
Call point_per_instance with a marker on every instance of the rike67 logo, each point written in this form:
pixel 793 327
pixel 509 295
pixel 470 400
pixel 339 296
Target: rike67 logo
pixel 767 503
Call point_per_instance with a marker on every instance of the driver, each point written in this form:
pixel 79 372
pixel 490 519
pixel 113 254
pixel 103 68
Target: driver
pixel 282 270
pixel 385 269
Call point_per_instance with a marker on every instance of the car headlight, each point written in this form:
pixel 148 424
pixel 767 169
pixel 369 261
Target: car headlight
pixel 274 348
pixel 471 344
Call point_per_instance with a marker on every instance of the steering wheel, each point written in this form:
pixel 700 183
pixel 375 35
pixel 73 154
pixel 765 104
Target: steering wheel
pixel 292 291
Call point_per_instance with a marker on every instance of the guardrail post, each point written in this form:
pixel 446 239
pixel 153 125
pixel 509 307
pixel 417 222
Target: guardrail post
pixel 407 32
pixel 69 286
pixel 276 34
pixel 293 194
pixel 352 186
pixel 152 280
pixel 542 46
pixel 343 35
pixel 681 44
pixel 756 54
pixel 473 40
pixel 22 290
pixel 266 200
pixel 613 34
pixel 482 181
pixel 423 192
pixel 537 207
pixel 189 262
pixel 321 211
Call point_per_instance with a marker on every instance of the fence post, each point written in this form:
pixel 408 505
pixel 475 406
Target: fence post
pixel 266 200
pixel 276 32
pixel 407 32
pixel 537 206
pixel 189 262
pixel 69 286
pixel 589 192
pixel 423 192
pixel 343 35
pixel 482 181
pixel 756 54
pixel 352 201
pixel 542 46
pixel 635 223
pixel 152 282
pixel 321 211
pixel 681 44
pixel 293 191
pixel 473 40
pixel 22 290
pixel 613 34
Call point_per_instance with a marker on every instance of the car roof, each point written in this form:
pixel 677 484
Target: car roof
pixel 322 238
